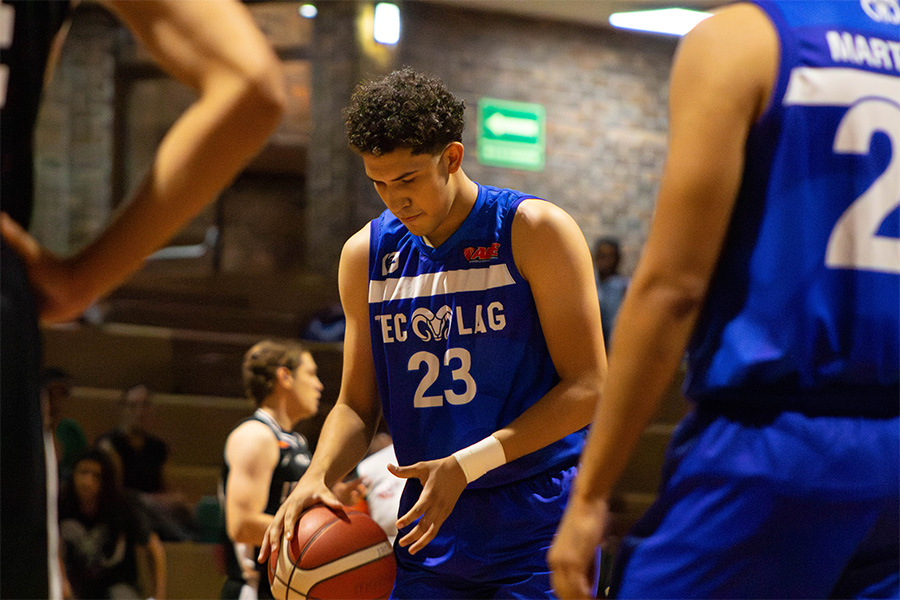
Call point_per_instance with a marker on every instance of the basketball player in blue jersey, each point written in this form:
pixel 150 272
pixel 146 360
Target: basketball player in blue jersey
pixel 264 457
pixel 472 314
pixel 774 258
pixel 216 49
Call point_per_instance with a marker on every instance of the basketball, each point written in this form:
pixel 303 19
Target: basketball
pixel 330 559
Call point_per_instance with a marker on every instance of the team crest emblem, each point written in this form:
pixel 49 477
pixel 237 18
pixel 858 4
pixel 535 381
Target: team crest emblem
pixel 429 326
pixel 883 11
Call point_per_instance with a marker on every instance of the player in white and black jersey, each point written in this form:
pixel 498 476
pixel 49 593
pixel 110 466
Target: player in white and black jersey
pixel 264 458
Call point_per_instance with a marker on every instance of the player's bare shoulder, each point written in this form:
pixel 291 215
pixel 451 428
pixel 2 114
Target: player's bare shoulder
pixel 736 50
pixel 353 273
pixel 544 233
pixel 251 441
pixel 356 249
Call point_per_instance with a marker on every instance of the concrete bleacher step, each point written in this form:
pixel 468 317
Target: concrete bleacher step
pixel 194 482
pixel 195 571
pixel 186 361
pixel 181 368
pixel 275 304
pixel 194 427
pixel 208 317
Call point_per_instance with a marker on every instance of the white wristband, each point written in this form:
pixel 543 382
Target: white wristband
pixel 480 457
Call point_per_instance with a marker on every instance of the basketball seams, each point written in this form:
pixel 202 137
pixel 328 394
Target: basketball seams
pixel 318 533
pixel 326 548
pixel 338 567
pixel 286 555
pixel 295 563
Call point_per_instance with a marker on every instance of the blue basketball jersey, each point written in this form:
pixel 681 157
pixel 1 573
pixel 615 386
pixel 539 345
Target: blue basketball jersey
pixel 458 347
pixel 805 300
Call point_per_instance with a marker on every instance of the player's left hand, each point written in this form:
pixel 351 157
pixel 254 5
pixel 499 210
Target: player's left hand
pixel 572 557
pixel 57 293
pixel 443 481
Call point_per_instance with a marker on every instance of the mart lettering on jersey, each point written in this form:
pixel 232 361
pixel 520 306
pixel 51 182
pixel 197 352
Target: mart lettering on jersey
pixel 859 50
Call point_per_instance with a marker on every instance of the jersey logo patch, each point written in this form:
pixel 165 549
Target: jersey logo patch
pixel 389 263
pixel 429 326
pixel 482 253
pixel 882 11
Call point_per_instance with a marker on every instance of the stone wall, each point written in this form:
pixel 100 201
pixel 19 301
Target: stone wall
pixel 604 93
pixel 605 97
pixel 74 138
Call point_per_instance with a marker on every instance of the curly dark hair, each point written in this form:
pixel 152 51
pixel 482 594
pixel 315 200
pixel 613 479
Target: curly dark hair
pixel 404 109
pixel 261 363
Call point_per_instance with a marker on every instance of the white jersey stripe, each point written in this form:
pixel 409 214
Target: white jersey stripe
pixel 444 282
pixel 837 86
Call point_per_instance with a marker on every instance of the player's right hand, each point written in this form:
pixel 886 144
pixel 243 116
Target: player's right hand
pixel 308 491
pixel 60 296
pixel 572 557
pixel 443 480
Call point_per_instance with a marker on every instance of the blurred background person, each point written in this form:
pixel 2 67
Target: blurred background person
pixel 611 285
pixel 141 453
pixel 141 457
pixel 69 440
pixel 104 536
pixel 217 50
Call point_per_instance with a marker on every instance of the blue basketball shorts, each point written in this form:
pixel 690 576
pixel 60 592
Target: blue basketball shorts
pixel 789 506
pixel 493 545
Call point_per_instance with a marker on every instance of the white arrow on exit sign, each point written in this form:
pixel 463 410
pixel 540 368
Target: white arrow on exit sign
pixel 499 124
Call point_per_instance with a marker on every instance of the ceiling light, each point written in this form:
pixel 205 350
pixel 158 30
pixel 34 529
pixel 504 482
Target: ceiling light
pixel 670 21
pixel 387 23
pixel 308 10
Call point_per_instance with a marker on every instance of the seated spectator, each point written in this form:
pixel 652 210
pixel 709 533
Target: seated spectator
pixel 103 536
pixel 141 457
pixel 68 436
pixel 141 454
pixel 611 285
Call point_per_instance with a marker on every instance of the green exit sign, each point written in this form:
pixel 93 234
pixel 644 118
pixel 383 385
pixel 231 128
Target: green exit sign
pixel 511 134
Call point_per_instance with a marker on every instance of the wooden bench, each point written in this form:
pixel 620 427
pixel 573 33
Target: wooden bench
pixel 181 361
pixel 194 571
